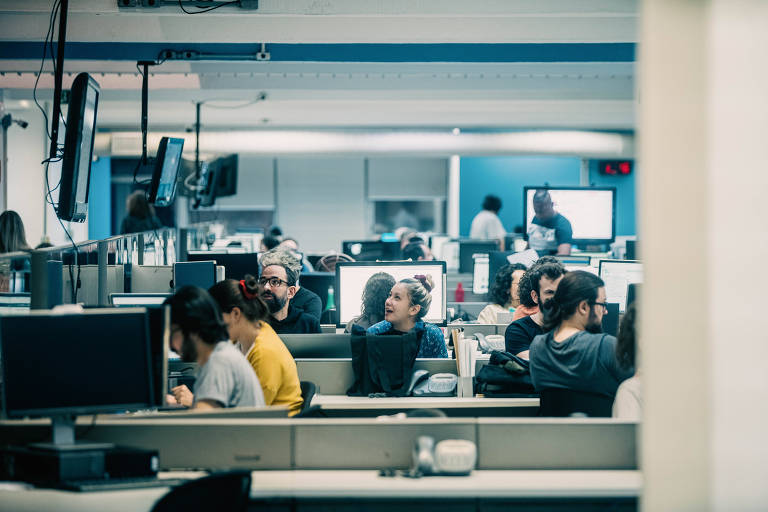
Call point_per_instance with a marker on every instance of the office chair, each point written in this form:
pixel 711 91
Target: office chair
pixel 219 492
pixel 328 262
pixel 555 402
pixel 308 390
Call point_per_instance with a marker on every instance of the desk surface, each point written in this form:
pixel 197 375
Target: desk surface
pixel 350 484
pixel 410 402
pixel 479 484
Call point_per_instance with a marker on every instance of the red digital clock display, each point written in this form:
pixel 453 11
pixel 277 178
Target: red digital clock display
pixel 615 167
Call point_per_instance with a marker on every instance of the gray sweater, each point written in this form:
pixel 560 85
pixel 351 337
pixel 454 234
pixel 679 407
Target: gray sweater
pixel 583 362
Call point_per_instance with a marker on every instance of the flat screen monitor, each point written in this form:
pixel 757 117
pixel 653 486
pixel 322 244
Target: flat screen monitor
pixel 496 260
pixel 319 283
pixel 574 260
pixel 97 361
pixel 159 323
pixel 236 266
pixel 468 248
pixel 371 250
pixel 194 273
pixel 317 346
pixel 436 243
pixel 351 278
pixel 78 149
pixel 163 187
pixel 618 275
pixel 226 175
pixel 206 186
pixel 590 210
pixel 480 273
pixel 134 300
pixel 611 319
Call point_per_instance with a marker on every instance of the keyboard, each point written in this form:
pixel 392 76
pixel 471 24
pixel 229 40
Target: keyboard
pixel 118 484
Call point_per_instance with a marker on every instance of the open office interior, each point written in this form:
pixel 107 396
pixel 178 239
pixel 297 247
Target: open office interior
pixel 344 123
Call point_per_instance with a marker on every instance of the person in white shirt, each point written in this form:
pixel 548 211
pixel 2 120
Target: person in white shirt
pixel 628 404
pixel 486 224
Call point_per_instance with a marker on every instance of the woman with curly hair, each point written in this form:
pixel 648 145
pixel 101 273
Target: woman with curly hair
pixel 375 295
pixel 628 404
pixel 503 294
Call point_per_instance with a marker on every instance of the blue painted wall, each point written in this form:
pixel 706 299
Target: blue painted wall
pixel 506 177
pixel 625 197
pixel 100 200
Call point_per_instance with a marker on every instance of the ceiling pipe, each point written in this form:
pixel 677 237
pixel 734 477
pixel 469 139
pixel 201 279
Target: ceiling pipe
pixel 583 144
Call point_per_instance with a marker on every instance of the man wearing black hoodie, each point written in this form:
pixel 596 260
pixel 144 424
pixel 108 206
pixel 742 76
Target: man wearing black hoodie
pixel 277 286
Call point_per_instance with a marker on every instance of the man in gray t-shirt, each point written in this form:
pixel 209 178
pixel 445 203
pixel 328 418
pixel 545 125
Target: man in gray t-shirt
pixel 228 379
pixel 198 334
pixel 574 354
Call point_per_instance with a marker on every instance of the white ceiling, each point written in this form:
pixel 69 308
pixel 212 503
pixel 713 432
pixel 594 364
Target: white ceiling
pixel 581 95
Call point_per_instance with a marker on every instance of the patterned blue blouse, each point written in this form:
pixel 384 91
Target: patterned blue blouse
pixel 432 342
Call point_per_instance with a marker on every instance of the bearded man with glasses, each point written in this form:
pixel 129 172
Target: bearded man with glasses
pixel 277 286
pixel 574 353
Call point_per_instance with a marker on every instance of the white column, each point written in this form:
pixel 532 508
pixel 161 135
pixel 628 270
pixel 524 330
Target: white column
pixel 454 193
pixel 704 113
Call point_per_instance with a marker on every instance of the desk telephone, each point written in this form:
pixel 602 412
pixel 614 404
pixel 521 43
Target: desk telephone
pixel 439 384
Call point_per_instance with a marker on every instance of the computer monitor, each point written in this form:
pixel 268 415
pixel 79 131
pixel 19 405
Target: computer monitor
pixel 206 186
pixel 137 300
pixel 496 260
pixel 319 283
pixel 611 319
pixel 163 187
pixel 226 175
pixel 159 324
pixel 318 346
pixel 480 274
pixel 194 273
pixel 63 365
pixel 371 250
pixel 78 149
pixel 469 247
pixel 618 275
pixel 236 265
pixel 590 210
pixel 436 243
pixel 574 260
pixel 351 278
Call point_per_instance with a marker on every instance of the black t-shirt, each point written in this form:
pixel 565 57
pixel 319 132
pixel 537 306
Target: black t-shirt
pixel 297 322
pixel 308 301
pixel 520 334
pixel 546 236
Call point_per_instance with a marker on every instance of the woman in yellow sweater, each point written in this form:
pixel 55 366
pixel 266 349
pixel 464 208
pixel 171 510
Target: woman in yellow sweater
pixel 245 315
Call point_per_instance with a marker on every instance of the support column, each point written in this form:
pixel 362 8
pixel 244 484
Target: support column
pixel 704 113
pixel 454 194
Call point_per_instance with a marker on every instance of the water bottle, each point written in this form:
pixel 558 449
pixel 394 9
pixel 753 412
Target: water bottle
pixel 330 303
pixel 459 294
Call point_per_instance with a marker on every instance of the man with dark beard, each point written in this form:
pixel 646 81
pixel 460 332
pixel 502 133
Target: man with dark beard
pixel 574 354
pixel 543 279
pixel 198 334
pixel 277 286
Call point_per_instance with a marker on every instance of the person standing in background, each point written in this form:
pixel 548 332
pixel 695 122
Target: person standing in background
pixel 12 235
pixel 486 225
pixel 549 232
pixel 141 215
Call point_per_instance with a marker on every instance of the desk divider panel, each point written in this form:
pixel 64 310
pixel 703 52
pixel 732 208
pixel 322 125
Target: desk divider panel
pixel 204 443
pixel 151 279
pixel 369 444
pixel 335 376
pixel 562 443
pixel 282 444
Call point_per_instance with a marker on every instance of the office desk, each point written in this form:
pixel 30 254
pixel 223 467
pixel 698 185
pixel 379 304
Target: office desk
pixel 346 406
pixel 340 490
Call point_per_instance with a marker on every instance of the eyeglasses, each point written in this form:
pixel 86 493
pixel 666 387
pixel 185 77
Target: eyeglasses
pixel 274 282
pixel 601 304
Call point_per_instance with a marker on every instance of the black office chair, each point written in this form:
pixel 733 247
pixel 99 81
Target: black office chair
pixel 308 390
pixel 219 492
pixel 559 403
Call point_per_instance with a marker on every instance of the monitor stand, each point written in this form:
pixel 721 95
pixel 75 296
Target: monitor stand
pixel 63 437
